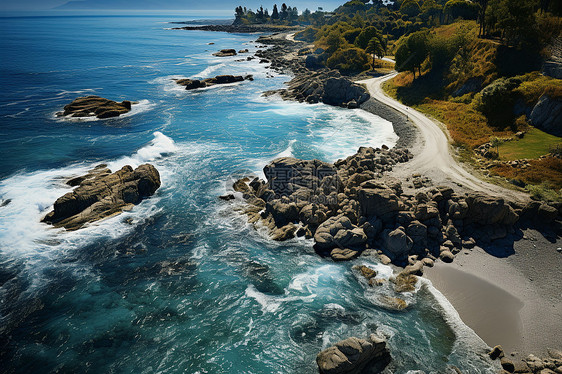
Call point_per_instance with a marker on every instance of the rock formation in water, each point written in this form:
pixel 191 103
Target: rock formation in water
pixel 350 206
pixel 192 84
pixel 101 194
pixel 225 53
pixel 354 356
pixel 95 106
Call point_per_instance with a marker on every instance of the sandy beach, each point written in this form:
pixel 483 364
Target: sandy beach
pixel 515 301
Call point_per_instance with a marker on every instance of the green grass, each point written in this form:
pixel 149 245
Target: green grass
pixel 534 144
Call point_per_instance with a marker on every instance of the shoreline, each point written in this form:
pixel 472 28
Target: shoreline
pixel 515 301
pixel 509 301
pixel 491 294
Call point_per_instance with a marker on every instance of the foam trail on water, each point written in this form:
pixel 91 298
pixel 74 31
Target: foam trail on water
pixel 32 196
pixel 159 147
pixel 208 71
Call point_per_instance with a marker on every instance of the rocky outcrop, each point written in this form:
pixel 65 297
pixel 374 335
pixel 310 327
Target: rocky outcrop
pixel 547 115
pixel 101 194
pixel 192 84
pixel 350 206
pixel 95 106
pixel 531 364
pixel 225 53
pixel 326 86
pixel 354 355
pixel 238 29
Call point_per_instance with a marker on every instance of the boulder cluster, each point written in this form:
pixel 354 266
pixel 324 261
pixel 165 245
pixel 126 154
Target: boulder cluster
pixel 101 194
pixel 192 84
pixel 354 355
pixel 328 87
pixel 95 106
pixel 324 85
pixel 350 206
pixel 530 365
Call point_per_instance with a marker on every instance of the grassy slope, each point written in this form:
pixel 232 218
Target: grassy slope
pixel 536 143
pixel 467 126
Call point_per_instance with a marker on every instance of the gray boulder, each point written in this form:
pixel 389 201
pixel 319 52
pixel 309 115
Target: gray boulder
pixel 354 355
pixel 547 115
pixel 397 243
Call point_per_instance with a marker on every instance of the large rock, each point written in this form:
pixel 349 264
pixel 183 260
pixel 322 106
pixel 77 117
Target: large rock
pixel 339 232
pixel 328 87
pixel 547 115
pixel 95 106
pixel 378 201
pixel 488 210
pixel 103 196
pixel 341 91
pixel 354 355
pixel 225 53
pixel 397 243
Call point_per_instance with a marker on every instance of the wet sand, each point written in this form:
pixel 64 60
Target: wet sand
pixel 515 301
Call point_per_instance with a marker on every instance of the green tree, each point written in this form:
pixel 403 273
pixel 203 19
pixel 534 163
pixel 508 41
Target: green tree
pixel 430 10
pixel 462 9
pixel 275 13
pixel 514 19
pixel 351 35
pixel 497 100
pixel 375 48
pixel 366 35
pixel 284 13
pixel 411 8
pixel 334 41
pixel 412 52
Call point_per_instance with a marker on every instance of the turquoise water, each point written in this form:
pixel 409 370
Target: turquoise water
pixel 103 299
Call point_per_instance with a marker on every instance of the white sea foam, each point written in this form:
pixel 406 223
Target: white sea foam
pixel 32 195
pixel 269 303
pixel 344 131
pixel 208 71
pixel 160 146
pixel 466 338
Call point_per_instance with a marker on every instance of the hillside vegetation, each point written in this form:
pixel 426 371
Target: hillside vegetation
pixel 475 65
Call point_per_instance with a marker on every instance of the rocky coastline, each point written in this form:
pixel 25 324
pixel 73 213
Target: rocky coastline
pixel 352 209
pixel 239 29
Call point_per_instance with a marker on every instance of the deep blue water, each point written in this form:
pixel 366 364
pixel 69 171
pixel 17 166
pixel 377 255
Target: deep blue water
pixel 102 299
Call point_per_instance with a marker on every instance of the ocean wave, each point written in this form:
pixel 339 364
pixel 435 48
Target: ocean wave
pixel 271 304
pixel 32 195
pixel 206 73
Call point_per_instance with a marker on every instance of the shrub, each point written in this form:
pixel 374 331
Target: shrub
pixel 497 100
pixel 350 60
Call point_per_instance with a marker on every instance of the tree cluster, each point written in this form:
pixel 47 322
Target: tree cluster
pixel 285 15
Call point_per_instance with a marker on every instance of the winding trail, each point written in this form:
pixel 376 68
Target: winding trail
pixel 435 153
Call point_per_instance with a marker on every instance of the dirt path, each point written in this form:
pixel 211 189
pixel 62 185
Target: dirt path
pixel 434 156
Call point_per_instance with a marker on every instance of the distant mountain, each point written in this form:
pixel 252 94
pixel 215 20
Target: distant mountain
pixel 189 4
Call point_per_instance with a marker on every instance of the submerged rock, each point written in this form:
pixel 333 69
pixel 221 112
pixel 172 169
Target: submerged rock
pixel 95 106
pixel 104 195
pixel 354 355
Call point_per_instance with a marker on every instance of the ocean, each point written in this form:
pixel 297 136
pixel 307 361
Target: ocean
pixel 180 284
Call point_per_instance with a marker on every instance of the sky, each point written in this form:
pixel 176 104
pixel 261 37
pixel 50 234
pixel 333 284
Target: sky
pixel 42 5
